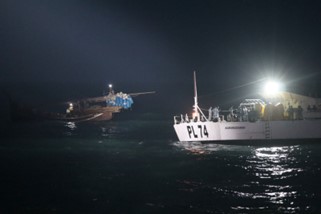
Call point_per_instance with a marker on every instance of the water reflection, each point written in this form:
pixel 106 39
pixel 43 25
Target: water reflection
pixel 266 175
pixel 109 131
pixel 195 147
pixel 71 127
pixel 205 148
pixel 273 166
pixel 274 162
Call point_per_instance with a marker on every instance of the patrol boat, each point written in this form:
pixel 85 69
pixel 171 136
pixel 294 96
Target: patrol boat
pixel 286 116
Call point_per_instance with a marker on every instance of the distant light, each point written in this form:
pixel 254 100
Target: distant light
pixel 71 105
pixel 272 88
pixel 110 85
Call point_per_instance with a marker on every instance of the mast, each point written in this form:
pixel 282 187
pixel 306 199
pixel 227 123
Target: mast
pixel 195 113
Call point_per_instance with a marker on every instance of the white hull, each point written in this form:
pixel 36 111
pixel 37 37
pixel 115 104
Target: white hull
pixel 260 130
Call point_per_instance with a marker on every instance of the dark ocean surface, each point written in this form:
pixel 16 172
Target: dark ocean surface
pixel 138 166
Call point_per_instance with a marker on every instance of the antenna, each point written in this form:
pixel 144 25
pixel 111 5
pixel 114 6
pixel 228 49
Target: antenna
pixel 195 88
pixel 196 113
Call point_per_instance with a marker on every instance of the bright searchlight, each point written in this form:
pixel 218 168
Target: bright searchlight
pixel 272 88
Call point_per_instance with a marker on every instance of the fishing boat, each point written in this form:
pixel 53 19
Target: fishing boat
pixel 280 115
pixel 99 108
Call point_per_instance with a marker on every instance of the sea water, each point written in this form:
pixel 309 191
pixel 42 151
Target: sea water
pixel 138 166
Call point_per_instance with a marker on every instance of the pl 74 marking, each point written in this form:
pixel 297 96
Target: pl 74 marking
pixel 200 131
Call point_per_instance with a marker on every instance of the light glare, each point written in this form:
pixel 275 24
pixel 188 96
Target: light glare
pixel 272 87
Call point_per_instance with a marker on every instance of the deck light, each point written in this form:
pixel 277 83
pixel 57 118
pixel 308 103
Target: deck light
pixel 272 88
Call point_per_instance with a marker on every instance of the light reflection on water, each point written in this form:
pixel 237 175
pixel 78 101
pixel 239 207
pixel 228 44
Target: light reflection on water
pixel 71 125
pixel 267 170
pixel 273 164
pixel 109 131
pixel 205 148
pixel 71 128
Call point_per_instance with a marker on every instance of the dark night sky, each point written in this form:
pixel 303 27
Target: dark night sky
pixel 156 45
